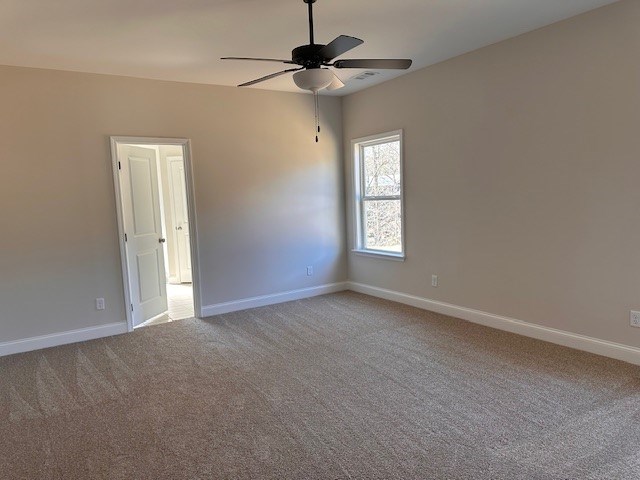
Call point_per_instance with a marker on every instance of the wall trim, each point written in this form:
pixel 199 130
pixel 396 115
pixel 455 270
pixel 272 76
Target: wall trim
pixel 605 348
pixel 597 346
pixel 264 300
pixel 62 338
pixel 185 144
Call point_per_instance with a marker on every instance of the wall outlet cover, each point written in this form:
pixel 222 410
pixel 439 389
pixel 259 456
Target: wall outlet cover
pixel 635 319
pixel 99 303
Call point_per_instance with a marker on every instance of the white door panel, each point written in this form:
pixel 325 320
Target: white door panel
pixel 143 227
pixel 181 218
pixel 141 181
pixel 149 283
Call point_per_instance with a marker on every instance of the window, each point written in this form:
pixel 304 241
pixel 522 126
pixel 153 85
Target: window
pixel 378 195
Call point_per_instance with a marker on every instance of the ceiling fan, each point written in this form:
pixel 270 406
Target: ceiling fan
pixel 312 62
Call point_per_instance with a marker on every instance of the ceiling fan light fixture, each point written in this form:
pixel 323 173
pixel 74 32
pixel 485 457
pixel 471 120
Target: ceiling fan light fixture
pixel 313 79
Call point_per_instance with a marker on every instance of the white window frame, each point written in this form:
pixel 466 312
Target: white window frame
pixel 357 146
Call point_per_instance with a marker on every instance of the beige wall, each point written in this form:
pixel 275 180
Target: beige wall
pixel 522 183
pixel 522 166
pixel 269 200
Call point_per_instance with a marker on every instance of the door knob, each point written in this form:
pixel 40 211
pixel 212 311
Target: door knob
pixel 162 240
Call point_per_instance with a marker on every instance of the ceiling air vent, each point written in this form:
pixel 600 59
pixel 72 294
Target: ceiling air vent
pixel 365 76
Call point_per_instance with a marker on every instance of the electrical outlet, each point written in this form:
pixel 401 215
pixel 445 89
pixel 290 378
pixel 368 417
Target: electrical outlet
pixel 309 271
pixel 434 281
pixel 635 319
pixel 99 303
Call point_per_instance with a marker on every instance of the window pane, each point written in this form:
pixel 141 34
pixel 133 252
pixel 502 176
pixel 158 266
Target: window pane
pixel 383 225
pixel 381 169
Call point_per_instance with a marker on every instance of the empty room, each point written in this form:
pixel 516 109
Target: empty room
pixel 318 239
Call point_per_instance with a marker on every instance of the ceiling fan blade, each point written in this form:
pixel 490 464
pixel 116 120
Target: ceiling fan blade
pixel 258 59
pixel 337 47
pixel 269 77
pixel 335 84
pixel 375 64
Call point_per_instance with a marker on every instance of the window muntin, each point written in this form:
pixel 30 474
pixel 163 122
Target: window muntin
pixel 378 188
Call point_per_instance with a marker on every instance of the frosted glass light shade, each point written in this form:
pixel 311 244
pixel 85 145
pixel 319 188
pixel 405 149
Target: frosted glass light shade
pixel 335 84
pixel 313 79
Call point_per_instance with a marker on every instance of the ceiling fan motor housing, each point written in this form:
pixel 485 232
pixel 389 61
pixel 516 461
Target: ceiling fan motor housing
pixel 308 56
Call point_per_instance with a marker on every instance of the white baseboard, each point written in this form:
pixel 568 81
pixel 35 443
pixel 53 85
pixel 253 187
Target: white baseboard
pixel 580 342
pixel 618 351
pixel 62 338
pixel 264 300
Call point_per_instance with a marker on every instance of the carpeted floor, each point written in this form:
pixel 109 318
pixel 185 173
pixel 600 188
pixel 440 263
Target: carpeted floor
pixel 340 386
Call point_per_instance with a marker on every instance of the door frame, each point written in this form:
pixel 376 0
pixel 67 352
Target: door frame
pixel 185 144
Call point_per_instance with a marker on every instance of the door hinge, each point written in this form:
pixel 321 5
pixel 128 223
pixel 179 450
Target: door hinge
pixel 132 307
pixel 125 238
pixel 119 166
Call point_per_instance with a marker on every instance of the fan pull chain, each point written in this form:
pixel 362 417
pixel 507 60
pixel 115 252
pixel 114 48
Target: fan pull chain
pixel 317 108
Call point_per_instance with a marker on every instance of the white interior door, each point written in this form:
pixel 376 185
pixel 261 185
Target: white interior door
pixel 180 217
pixel 143 229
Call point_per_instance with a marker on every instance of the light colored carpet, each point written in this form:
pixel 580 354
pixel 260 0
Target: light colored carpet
pixel 340 386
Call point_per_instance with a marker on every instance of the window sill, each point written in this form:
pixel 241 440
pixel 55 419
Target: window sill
pixel 397 257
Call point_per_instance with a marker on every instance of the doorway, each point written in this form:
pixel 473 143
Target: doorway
pixel 154 200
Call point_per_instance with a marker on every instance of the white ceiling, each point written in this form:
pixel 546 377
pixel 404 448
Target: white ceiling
pixel 183 40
